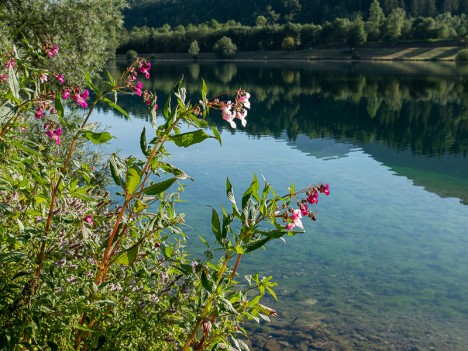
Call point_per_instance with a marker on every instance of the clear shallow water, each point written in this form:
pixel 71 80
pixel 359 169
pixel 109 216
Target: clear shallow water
pixel 385 267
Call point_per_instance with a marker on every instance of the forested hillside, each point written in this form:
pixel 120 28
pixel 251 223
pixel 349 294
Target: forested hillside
pixel 155 13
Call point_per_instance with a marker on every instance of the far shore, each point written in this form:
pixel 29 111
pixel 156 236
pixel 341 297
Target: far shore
pixel 397 53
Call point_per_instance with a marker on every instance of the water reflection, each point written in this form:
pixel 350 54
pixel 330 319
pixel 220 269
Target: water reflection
pixel 403 114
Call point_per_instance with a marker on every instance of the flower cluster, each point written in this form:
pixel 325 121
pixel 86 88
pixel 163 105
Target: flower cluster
pixel 293 217
pixel 53 134
pixel 144 67
pixel 50 49
pixel 9 64
pixel 232 110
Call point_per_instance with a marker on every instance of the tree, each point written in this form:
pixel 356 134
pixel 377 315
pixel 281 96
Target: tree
pixel 288 43
pixel 194 49
pixel 225 48
pixel 86 35
pixel 375 21
pixel 357 34
pixel 261 21
pixel 394 24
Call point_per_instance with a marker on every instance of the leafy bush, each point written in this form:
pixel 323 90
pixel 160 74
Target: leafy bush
pixel 462 55
pixel 131 55
pixel 82 272
pixel 194 49
pixel 225 48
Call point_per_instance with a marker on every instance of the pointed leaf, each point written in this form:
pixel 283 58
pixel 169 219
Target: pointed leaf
pixel 116 107
pixel 90 83
pixel 143 144
pixel 160 187
pixel 128 256
pixel 98 138
pixel 117 168
pixel 134 175
pixel 190 138
pixel 58 105
pixel 256 244
pixel 216 226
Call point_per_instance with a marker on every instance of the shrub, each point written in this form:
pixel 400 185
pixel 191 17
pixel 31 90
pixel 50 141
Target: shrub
pixel 288 43
pixel 225 48
pixel 194 49
pixel 131 55
pixel 462 55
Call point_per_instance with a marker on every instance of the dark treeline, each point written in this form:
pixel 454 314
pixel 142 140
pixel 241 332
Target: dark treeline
pixel 378 25
pixel 155 13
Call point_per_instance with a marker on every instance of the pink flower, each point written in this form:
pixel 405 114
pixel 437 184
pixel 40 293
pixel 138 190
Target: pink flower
pixel 304 209
pixel 296 218
pixel 144 68
pixel 55 135
pixel 53 51
pixel 43 77
pixel 241 115
pixel 89 219
pixel 66 94
pixel 137 88
pixel 245 100
pixel 60 78
pixel 3 78
pixel 228 115
pixel 313 198
pixel 325 189
pixel 39 113
pixel 23 129
pixel 10 63
pixel 290 226
pixel 80 99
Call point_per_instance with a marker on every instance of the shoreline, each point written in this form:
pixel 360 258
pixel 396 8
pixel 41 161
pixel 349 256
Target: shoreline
pixel 397 53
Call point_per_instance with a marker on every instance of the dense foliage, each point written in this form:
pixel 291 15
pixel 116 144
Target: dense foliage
pixel 155 13
pixel 86 31
pixel 377 26
pixel 81 270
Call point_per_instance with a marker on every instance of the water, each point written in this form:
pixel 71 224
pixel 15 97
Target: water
pixel 385 267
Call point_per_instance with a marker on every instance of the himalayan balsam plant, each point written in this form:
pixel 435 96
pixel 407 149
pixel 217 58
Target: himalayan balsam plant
pixel 82 271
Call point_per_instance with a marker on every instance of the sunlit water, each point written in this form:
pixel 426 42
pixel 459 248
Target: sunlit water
pixel 385 267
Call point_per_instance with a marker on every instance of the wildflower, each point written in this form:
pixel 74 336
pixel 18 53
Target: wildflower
pixel 60 78
pixel 244 99
pixel 89 219
pixel 304 209
pixel 55 135
pixel 10 63
pixel 241 115
pixel 43 77
pixel 66 94
pixel 296 218
pixel 290 226
pixel 53 51
pixel 228 115
pixel 144 68
pixel 3 78
pixel 39 113
pixel 80 99
pixel 137 88
pixel 313 198
pixel 325 189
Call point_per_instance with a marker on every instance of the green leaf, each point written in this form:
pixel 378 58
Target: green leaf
pixel 134 174
pixel 83 327
pixel 139 206
pixel 251 191
pixel 59 105
pixel 116 107
pixel 117 167
pixel 160 187
pixel 177 172
pixel 230 195
pixel 98 138
pixel 127 257
pixel 90 83
pixel 190 138
pixel 13 82
pixel 216 134
pixel 256 244
pixel 206 282
pixel 202 239
pixel 143 144
pixel 216 226
pixel 227 305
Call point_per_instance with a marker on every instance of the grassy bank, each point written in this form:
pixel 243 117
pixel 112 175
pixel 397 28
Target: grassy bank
pixel 405 53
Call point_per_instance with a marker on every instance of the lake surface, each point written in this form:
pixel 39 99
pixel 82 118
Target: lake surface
pixel 385 267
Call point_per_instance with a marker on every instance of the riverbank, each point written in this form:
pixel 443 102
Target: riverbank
pixel 397 53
